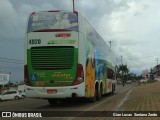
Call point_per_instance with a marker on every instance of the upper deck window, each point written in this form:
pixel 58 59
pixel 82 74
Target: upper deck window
pixel 52 21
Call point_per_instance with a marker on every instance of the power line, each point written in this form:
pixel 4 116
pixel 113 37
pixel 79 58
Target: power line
pixel 11 62
pixel 140 57
pixel 10 59
pixel 15 41
pixel 14 67
pixel 136 58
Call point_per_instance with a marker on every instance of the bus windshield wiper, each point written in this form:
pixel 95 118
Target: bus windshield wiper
pixel 51 30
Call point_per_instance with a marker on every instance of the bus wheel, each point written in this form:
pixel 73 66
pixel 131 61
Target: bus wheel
pixel 113 89
pixel 99 93
pixel 52 101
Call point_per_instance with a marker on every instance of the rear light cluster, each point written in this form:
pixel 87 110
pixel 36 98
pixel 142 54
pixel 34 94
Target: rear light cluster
pixel 79 76
pixel 75 12
pixel 26 80
pixel 33 13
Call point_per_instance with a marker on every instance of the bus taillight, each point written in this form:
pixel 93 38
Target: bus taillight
pixel 79 76
pixel 33 13
pixel 75 12
pixel 26 80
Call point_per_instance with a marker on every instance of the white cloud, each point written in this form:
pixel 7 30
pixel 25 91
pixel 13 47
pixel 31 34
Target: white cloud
pixel 134 30
pixel 117 1
pixel 87 4
pixel 7 19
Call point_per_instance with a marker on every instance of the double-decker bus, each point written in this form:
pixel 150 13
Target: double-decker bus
pixel 66 58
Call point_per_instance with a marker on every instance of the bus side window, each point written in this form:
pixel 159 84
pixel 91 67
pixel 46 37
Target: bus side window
pixel 110 73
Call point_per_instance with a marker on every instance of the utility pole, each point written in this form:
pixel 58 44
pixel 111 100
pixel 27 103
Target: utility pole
pixel 158 73
pixel 110 43
pixel 73 6
pixel 157 61
pixel 121 60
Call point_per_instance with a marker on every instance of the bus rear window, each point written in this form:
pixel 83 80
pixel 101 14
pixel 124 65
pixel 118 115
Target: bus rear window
pixel 53 21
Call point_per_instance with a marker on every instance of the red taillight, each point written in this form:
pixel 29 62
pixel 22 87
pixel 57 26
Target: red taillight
pixel 75 12
pixel 26 80
pixel 79 76
pixel 33 13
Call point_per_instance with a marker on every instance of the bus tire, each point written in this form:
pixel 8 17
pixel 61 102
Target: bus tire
pixel 93 99
pixel 113 89
pixel 99 96
pixel 52 101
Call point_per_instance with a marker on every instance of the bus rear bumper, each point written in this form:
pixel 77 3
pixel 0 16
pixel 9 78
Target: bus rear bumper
pixel 55 92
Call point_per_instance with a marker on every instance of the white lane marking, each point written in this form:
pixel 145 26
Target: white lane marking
pixel 91 108
pixel 99 104
pixel 122 101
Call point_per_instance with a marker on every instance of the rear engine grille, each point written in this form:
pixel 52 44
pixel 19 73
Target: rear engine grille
pixel 52 58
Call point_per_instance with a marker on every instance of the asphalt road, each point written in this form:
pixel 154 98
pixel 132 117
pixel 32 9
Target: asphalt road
pixel 107 103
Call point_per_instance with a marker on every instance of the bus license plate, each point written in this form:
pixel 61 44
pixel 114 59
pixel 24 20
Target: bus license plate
pixel 51 91
pixel 40 84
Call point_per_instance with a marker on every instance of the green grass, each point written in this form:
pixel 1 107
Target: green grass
pixel 151 81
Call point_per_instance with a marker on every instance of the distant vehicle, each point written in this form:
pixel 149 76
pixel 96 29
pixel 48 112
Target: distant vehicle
pixel 119 82
pixel 123 82
pixel 22 93
pixel 158 79
pixel 129 82
pixel 143 81
pixel 10 95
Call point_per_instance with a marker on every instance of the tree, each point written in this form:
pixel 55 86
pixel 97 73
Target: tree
pixel 123 72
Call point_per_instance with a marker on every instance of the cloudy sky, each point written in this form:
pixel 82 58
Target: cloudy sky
pixel 132 25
